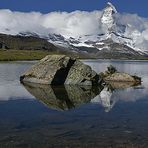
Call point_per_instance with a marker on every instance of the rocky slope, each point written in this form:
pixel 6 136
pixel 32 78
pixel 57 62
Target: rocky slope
pixel 19 42
pixel 27 43
pixel 113 43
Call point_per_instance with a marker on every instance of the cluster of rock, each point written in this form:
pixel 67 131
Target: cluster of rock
pixel 85 85
pixel 61 69
pixel 112 75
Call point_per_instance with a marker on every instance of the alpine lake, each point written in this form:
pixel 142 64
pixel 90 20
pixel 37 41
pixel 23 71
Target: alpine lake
pixel 35 116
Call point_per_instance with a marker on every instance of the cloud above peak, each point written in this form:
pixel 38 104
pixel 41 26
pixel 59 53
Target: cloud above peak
pixel 68 24
pixel 73 24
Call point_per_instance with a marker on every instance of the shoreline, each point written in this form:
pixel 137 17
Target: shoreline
pixel 83 59
pixel 33 55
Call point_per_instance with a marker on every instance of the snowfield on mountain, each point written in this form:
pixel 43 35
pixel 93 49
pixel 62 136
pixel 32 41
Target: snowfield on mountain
pixel 102 34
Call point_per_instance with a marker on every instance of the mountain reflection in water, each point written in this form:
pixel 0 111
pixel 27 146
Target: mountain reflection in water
pixel 71 96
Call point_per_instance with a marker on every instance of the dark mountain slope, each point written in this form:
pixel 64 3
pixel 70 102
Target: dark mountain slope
pixel 25 43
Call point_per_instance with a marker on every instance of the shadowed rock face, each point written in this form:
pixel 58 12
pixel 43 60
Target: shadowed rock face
pixel 60 69
pixel 62 97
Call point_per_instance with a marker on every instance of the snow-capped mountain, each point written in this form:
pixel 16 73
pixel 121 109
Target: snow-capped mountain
pixel 107 18
pixel 115 38
pixel 101 34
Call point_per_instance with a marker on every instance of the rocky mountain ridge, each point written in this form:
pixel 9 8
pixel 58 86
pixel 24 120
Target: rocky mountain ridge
pixel 114 43
pixel 117 40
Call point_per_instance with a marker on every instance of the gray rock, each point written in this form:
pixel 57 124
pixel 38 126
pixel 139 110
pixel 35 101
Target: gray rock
pixel 121 85
pixel 82 74
pixel 112 75
pixel 60 69
pixel 122 77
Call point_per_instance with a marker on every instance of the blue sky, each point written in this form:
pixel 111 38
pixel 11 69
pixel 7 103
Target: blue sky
pixel 139 7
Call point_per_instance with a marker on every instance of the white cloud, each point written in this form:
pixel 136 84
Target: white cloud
pixel 68 24
pixel 73 24
pixel 145 34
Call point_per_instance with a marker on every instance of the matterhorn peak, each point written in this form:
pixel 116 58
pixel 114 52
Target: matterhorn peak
pixel 112 7
pixel 107 15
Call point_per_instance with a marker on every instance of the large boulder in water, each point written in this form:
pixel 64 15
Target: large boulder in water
pixel 60 69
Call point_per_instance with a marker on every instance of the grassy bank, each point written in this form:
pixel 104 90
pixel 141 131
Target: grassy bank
pixel 20 55
pixel 16 55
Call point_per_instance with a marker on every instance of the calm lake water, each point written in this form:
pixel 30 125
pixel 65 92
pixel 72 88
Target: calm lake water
pixel 43 116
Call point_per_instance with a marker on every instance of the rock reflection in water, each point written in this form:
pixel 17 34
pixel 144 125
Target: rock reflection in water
pixel 113 92
pixel 63 97
pixel 70 96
